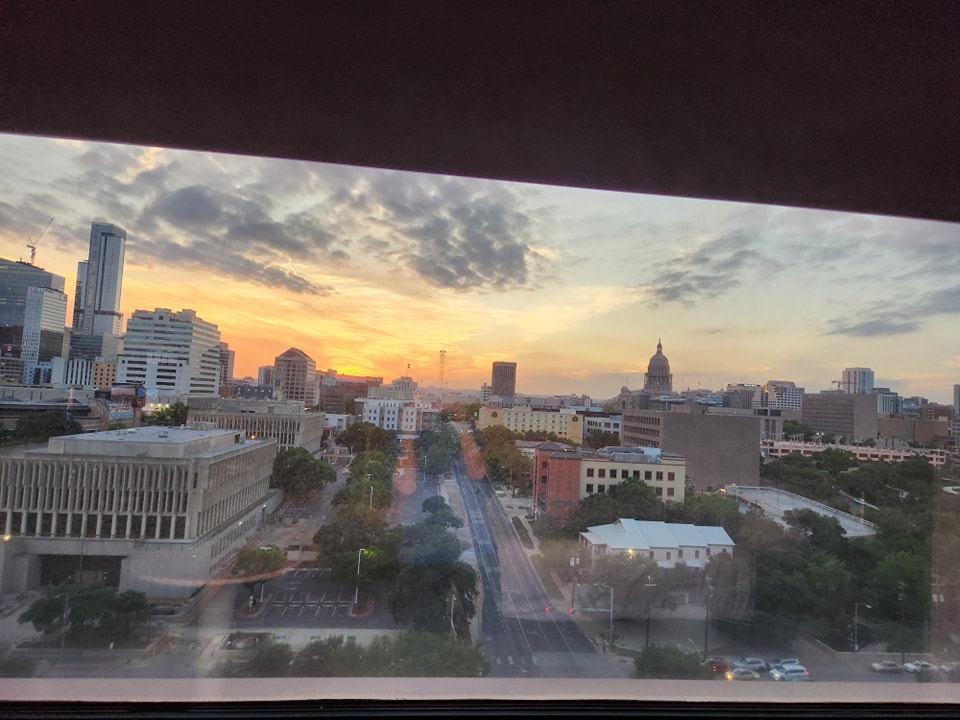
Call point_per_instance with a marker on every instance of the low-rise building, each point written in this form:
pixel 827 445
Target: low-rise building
pixel 564 476
pixel 287 422
pixel 666 544
pixel 865 453
pixel 155 509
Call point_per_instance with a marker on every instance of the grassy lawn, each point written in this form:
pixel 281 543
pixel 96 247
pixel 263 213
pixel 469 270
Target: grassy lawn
pixel 522 532
pixel 549 584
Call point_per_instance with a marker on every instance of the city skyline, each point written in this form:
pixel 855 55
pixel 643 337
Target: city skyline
pixel 369 270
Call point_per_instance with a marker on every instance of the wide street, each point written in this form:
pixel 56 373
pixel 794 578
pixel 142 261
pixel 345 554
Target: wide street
pixel 522 634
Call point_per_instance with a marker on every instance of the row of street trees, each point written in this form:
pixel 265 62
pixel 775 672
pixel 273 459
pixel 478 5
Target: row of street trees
pixel 436 450
pixel 504 461
pixel 409 655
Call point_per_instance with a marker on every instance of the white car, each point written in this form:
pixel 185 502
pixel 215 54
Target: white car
pixel 919 666
pixel 885 666
pixel 752 663
pixel 790 672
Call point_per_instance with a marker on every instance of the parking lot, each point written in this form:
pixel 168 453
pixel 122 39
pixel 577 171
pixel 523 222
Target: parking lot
pixel 298 597
pixel 309 597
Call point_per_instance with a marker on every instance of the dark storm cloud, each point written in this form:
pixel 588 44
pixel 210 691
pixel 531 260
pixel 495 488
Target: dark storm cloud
pixel 711 270
pixel 224 260
pixel 454 233
pixel 897 316
pixel 189 208
pixel 234 234
pixel 871 328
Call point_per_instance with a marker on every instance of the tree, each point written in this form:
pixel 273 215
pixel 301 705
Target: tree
pixel 364 436
pixel 632 498
pixel 439 513
pixel 43 426
pixel 94 614
pixel 259 563
pixel 660 661
pixel 822 532
pixel 265 659
pixel 173 415
pixel 299 474
pixel 715 510
pixel 430 572
pixel 597 439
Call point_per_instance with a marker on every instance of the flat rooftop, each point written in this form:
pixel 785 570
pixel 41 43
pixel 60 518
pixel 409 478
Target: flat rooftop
pixel 774 503
pixel 150 441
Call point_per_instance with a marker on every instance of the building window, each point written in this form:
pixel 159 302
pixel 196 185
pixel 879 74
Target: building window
pixel 647 475
pixel 670 492
pixel 589 487
pixel 624 474
pixel 543 479
pixel 601 473
pixel 601 488
pixel 659 475
pixel 659 491
pixel 636 474
pixel 696 554
pixel 669 555
pixel 651 554
pixel 708 551
pixel 671 476
pixel 589 472
pixel 679 553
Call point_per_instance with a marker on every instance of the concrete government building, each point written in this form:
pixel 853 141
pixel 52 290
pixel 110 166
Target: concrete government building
pixel 155 509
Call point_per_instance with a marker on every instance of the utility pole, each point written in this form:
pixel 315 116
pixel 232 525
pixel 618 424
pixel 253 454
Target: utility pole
pixel 900 597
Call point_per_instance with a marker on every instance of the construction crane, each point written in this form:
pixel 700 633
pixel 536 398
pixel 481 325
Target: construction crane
pixel 33 243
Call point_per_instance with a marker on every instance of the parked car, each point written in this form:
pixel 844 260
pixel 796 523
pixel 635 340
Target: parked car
pixel 717 664
pixel 952 666
pixel 774 662
pixel 742 674
pixel 752 663
pixel 886 666
pixel 790 672
pixel 919 666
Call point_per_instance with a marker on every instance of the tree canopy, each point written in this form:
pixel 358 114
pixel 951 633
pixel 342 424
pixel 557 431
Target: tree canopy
pixel 367 437
pixel 42 426
pixel 172 415
pixel 299 474
pixel 92 614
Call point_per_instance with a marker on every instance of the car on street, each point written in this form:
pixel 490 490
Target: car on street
pixel 919 666
pixel 717 664
pixel 951 666
pixel 742 674
pixel 886 666
pixel 773 662
pixel 790 672
pixel 752 663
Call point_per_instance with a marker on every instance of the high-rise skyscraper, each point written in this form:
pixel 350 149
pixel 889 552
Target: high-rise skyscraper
pixel 227 357
pixel 97 303
pixel 503 379
pixel 295 377
pixel 857 380
pixel 33 309
pixel 175 352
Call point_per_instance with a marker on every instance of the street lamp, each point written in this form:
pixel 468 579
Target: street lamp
pixel 649 584
pixel 706 625
pixel 856 625
pixel 356 592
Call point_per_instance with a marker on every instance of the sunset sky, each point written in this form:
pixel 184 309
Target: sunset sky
pixel 369 270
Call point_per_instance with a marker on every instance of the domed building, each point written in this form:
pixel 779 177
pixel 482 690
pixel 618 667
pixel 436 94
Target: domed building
pixel 659 380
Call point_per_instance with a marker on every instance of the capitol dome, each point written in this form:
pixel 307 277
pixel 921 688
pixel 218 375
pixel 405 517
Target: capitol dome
pixel 658 380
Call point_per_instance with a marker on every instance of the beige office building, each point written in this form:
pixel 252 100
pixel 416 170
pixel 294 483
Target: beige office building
pixel 155 509
pixel 564 423
pixel 286 422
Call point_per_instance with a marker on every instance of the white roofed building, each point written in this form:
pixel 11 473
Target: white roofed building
pixel 664 543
